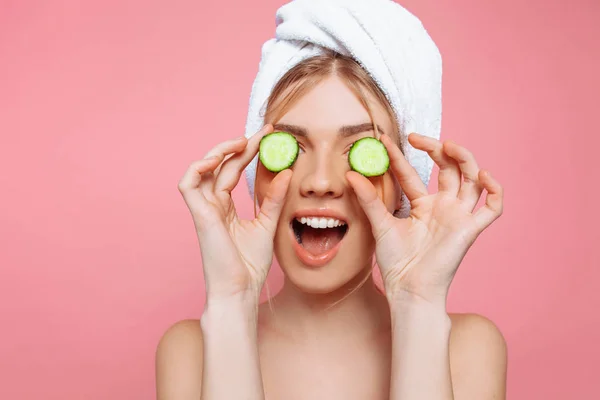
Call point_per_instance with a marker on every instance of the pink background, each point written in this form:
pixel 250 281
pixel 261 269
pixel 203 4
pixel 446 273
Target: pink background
pixel 104 104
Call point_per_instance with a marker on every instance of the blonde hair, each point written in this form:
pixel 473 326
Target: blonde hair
pixel 307 74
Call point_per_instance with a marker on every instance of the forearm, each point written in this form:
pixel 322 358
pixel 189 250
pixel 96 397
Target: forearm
pixel 420 356
pixel 231 367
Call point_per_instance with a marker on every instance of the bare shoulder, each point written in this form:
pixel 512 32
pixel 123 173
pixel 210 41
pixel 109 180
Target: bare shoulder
pixel 471 326
pixel 478 357
pixel 179 361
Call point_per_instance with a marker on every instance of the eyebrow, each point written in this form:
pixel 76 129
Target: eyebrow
pixel 344 131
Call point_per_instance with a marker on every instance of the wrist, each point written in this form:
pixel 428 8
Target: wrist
pixel 240 309
pixel 246 300
pixel 409 307
pixel 399 295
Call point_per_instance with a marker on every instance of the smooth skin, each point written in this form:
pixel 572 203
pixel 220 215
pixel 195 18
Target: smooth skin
pixel 401 345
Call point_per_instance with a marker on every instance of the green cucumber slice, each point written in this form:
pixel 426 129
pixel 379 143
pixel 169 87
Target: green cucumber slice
pixel 278 151
pixel 369 157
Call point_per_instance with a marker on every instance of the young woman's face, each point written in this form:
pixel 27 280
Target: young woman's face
pixel 325 122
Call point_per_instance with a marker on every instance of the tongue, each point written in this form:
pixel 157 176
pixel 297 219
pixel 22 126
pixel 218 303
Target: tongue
pixel 319 241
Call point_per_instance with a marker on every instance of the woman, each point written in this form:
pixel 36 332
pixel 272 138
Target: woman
pixel 331 332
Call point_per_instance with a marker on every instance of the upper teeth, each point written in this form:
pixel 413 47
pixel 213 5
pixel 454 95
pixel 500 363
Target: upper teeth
pixel 316 222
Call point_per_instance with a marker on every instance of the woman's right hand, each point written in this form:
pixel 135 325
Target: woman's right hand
pixel 236 253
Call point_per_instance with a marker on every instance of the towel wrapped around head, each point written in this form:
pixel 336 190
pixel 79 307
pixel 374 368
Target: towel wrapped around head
pixel 387 40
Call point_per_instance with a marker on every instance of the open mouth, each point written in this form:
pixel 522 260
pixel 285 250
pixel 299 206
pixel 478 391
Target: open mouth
pixel 317 235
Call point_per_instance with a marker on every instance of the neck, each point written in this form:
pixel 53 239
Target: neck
pixel 349 311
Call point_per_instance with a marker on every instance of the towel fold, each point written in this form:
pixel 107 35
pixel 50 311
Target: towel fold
pixel 387 40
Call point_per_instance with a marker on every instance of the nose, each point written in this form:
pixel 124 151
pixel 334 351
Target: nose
pixel 323 178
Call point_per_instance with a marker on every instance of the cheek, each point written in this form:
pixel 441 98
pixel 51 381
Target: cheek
pixel 386 190
pixel 361 246
pixel 389 192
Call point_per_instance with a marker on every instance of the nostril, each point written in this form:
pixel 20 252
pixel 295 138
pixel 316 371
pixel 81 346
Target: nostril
pixel 329 193
pixel 321 187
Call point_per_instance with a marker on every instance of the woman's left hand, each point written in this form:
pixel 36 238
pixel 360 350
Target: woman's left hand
pixel 419 255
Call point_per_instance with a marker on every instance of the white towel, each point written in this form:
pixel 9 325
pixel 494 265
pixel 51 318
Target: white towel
pixel 388 41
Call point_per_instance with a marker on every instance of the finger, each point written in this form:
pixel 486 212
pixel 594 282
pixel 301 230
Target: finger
pixel 273 201
pixel 231 171
pixel 220 151
pixel 471 188
pixel 494 201
pixel 407 176
pixel 190 181
pixel 227 147
pixel 378 215
pixel 188 187
pixel 449 177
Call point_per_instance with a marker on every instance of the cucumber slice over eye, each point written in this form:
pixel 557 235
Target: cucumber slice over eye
pixel 369 157
pixel 278 151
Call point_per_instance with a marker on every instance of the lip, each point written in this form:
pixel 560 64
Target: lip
pixel 303 255
pixel 310 259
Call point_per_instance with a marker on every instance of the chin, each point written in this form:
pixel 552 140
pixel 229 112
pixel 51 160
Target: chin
pixel 325 280
pixel 343 271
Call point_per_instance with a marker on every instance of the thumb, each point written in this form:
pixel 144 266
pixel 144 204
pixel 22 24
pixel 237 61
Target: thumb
pixel 273 201
pixel 378 215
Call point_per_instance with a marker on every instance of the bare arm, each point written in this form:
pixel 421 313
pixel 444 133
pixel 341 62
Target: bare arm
pixel 222 362
pixel 212 358
pixel 418 257
pixel 436 358
pixel 420 352
pixel 231 362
